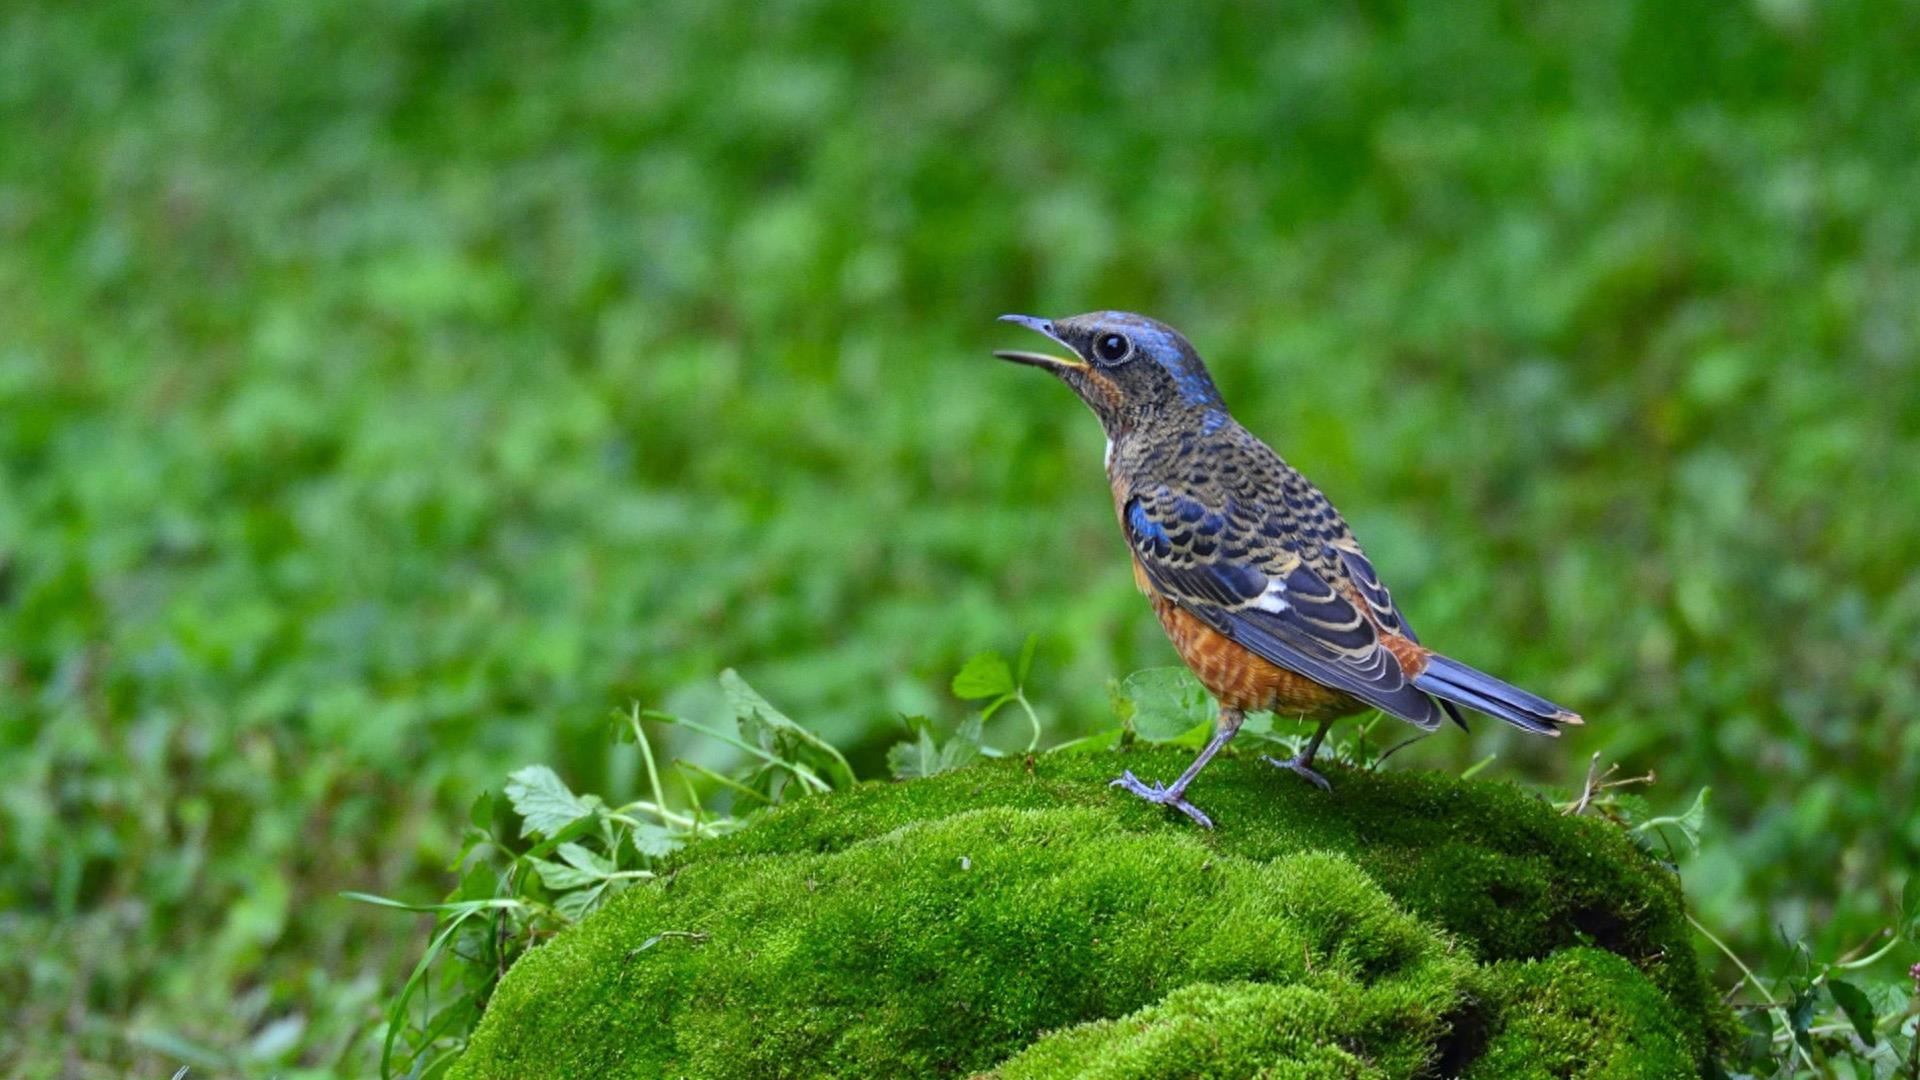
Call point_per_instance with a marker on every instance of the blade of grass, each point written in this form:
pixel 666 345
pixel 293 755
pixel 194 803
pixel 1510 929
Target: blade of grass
pixel 397 1012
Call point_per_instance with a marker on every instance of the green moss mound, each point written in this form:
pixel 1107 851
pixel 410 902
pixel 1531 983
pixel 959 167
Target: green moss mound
pixel 1021 920
pixel 1580 1012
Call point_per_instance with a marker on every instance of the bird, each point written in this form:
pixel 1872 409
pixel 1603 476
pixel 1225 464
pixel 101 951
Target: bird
pixel 1258 581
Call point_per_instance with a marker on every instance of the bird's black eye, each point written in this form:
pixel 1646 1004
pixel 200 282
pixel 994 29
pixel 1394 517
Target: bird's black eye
pixel 1111 348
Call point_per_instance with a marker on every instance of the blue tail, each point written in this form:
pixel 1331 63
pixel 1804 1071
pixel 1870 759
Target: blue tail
pixel 1451 680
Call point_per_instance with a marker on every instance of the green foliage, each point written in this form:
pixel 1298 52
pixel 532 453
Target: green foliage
pixel 585 852
pixel 1803 1022
pixel 1814 1021
pixel 924 757
pixel 988 677
pixel 543 802
pixel 783 744
pixel 387 390
pixel 1687 824
pixel 1163 704
pixel 939 926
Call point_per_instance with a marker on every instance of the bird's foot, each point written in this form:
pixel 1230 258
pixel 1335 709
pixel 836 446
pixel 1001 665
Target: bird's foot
pixel 1154 793
pixel 1300 766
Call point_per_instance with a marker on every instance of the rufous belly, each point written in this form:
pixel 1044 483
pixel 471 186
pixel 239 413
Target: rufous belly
pixel 1241 679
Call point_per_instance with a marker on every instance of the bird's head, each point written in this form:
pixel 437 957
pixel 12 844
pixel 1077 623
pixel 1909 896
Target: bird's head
pixel 1130 369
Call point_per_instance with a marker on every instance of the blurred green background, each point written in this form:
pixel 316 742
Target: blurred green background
pixel 389 391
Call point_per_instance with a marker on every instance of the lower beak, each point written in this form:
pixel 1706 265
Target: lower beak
pixel 1039 360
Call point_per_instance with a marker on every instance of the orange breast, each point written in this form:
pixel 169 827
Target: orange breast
pixel 1241 679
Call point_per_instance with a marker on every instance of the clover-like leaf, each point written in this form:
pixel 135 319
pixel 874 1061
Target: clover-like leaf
pixel 1025 663
pixel 984 676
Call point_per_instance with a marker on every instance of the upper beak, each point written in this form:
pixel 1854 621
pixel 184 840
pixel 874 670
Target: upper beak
pixel 1042 360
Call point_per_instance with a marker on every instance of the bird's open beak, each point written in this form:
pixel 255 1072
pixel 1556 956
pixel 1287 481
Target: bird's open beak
pixel 1039 360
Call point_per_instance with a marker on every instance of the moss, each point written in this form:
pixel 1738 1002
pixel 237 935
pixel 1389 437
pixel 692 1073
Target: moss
pixel 1239 1029
pixel 1580 1012
pixel 1024 918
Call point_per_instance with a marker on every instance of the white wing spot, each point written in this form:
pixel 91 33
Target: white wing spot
pixel 1272 598
pixel 1108 460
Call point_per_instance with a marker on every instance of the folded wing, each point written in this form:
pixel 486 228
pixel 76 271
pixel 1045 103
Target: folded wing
pixel 1268 600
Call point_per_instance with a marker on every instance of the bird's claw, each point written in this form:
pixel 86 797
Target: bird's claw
pixel 1154 793
pixel 1296 765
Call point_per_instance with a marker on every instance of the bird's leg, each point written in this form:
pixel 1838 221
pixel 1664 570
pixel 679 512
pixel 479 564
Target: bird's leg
pixel 1302 762
pixel 1176 795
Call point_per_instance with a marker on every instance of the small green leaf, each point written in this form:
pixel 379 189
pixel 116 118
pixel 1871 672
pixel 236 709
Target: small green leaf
pixel 984 676
pixel 545 804
pixel 655 841
pixel 1855 1004
pixel 964 747
pixel 777 734
pixel 575 905
pixel 1757 1045
pixel 911 760
pixel 481 813
pixel 584 859
pixel 758 719
pixel 1163 703
pixel 1689 823
pixel 479 883
pixel 1025 664
pixel 1800 1018
pixel 560 877
pixel 923 757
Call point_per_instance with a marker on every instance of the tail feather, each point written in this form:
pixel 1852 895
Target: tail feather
pixel 1450 680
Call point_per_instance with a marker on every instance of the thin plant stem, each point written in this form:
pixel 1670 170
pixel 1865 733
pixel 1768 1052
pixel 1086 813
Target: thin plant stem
pixel 1474 769
pixel 1735 957
pixel 1033 718
pixel 727 782
pixel 1865 961
pixel 646 753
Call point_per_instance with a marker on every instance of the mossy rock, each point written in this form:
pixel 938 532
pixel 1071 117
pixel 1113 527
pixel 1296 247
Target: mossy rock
pixel 1022 920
